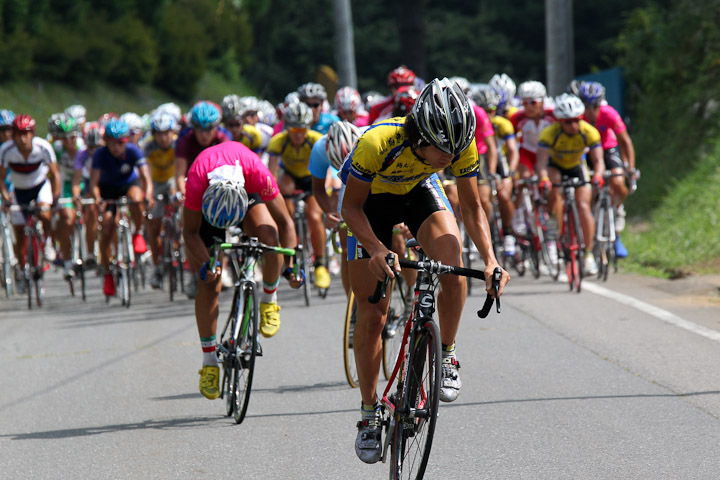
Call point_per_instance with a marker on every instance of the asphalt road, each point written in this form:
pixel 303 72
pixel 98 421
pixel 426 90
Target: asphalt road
pixel 559 386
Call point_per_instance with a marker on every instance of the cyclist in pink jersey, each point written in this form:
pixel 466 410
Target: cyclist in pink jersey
pixel 487 156
pixel 266 218
pixel 614 136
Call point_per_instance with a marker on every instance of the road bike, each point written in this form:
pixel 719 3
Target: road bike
pixel 123 265
pixel 572 243
pixel 173 248
pixel 238 345
pixel 78 244
pixel 34 268
pixel 410 412
pixel 304 253
pixel 7 254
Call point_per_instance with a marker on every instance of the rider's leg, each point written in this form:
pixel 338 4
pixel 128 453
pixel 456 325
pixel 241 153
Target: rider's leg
pixel 64 230
pixel 582 199
pixel 106 238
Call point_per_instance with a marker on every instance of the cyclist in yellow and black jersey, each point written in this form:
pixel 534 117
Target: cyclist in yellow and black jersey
pixel 391 178
pixel 289 157
pixel 561 147
pixel 159 151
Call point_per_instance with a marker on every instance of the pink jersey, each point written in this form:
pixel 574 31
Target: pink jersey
pixel 609 124
pixel 228 160
pixel 362 120
pixel 278 127
pixel 483 129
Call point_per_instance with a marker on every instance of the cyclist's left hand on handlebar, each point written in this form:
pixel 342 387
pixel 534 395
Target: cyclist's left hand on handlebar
pixel 332 219
pixel 489 280
pixel 206 274
pixel 379 265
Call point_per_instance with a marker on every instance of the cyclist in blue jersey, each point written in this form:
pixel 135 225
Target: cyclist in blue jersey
pixel 119 169
pixel 6 119
pixel 314 95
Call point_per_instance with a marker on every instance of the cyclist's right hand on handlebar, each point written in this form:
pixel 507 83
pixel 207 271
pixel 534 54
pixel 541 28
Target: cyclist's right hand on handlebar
pixel 379 265
pixel 489 270
pixel 332 219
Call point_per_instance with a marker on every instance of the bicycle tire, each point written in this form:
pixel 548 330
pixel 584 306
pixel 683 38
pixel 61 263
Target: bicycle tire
pixel 30 268
pixel 580 257
pixel 467 254
pixel 125 267
pixel 531 250
pixel 79 233
pixel 7 256
pixel 414 432
pixel 168 261
pixel 348 351
pixel 246 343
pixel 228 356
pixel 302 257
pixel 395 322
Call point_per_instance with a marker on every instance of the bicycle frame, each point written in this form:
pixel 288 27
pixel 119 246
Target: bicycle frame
pixel 572 241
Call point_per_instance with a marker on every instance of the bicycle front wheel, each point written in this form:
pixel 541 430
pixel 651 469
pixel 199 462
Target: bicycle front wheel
pixel 416 416
pixel 348 333
pixel 246 344
pixel 398 313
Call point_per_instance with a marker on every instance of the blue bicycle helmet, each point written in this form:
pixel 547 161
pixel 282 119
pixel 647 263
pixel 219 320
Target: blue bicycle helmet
pixel 204 115
pixel 591 93
pixel 117 129
pixel 224 203
pixel 6 118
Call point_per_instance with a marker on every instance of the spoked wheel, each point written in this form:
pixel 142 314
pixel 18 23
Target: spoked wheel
pixel 228 357
pixel 580 257
pixel 532 254
pixel 416 416
pixel 39 287
pixel 397 317
pixel 244 365
pixel 348 351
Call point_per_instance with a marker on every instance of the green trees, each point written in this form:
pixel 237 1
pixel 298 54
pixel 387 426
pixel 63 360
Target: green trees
pixel 169 43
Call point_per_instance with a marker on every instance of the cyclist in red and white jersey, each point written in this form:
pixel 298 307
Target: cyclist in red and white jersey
pixel 349 107
pixel 529 122
pixel 400 77
pixel 34 174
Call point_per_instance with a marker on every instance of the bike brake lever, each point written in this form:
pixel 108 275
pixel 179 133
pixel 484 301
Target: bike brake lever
pixel 497 276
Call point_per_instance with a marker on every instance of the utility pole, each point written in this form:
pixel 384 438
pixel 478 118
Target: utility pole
pixel 559 45
pixel 345 47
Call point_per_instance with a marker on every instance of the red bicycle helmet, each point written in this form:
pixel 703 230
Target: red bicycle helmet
pixel 400 77
pixel 24 123
pixel 405 99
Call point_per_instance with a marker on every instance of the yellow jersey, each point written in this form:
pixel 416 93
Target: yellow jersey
pixel 161 161
pixel 384 157
pixel 293 160
pixel 251 137
pixel 567 151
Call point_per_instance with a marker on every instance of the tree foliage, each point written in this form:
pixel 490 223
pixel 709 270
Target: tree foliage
pixel 168 43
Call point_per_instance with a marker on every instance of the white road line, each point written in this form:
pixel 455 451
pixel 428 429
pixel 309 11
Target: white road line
pixel 656 312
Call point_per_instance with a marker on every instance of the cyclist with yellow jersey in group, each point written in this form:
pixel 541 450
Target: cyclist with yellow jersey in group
pixel 159 151
pixel 560 154
pixel 391 178
pixel 232 116
pixel 505 86
pixel 289 152
pixel 508 158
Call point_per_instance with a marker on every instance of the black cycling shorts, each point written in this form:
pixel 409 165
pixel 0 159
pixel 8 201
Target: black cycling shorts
pixel 304 183
pixel 579 171
pixel 384 210
pixel 612 159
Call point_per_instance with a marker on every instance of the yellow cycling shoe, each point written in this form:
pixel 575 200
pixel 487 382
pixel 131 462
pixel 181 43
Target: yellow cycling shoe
pixel 269 319
pixel 322 277
pixel 209 381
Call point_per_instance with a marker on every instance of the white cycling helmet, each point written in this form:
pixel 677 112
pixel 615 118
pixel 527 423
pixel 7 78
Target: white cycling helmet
pixel 224 203
pixel 171 108
pixel 531 90
pixel 248 105
pixel 485 96
pixel 444 116
pixel 568 105
pixel 267 113
pixel 341 138
pixel 133 120
pixel 504 84
pixel 78 112
pixel 463 82
pixel 311 90
pixel 347 99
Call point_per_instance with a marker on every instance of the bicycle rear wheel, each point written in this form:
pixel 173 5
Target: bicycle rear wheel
pixel 246 344
pixel 467 254
pixel 348 351
pixel 416 417
pixel 125 267
pixel 30 268
pixel 7 262
pixel 394 325
pixel 303 259
pixel 169 261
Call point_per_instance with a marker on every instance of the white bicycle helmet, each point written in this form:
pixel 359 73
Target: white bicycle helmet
pixel 133 120
pixel 504 84
pixel 486 97
pixel 347 99
pixel 224 203
pixel 298 115
pixel 568 105
pixel 463 82
pixel 78 112
pixel 532 89
pixel 171 108
pixel 248 105
pixel 267 113
pixel 444 116
pixel 341 138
